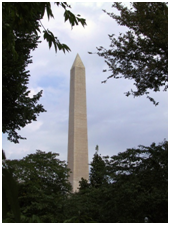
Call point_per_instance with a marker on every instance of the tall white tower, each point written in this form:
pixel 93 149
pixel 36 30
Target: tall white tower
pixel 77 134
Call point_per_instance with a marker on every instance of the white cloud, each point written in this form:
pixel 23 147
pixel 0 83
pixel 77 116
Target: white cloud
pixel 33 127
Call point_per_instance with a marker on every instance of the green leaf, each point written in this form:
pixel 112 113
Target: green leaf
pixel 48 10
pixel 141 53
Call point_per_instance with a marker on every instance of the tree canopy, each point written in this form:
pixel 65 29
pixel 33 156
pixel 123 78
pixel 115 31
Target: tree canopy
pixel 43 185
pixel 21 24
pixel 135 191
pixel 141 54
pixel 130 187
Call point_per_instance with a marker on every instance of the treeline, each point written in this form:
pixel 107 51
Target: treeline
pixel 131 186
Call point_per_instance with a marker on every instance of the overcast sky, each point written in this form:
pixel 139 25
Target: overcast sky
pixel 115 122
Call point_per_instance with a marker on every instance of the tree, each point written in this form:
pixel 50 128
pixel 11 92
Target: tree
pixel 141 54
pixel 43 186
pixel 26 19
pixel 136 188
pixel 21 24
pixel 140 183
pixel 98 171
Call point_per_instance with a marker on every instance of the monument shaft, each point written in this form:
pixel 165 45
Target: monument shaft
pixel 77 136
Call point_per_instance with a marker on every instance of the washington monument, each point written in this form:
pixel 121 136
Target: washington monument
pixel 77 132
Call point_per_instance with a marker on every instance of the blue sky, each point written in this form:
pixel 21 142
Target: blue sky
pixel 115 122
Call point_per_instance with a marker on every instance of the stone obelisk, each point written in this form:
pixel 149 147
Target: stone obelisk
pixel 77 133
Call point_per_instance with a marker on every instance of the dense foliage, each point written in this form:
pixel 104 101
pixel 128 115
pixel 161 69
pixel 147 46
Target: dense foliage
pixel 21 23
pixel 141 54
pixel 43 186
pixel 134 188
pixel 130 187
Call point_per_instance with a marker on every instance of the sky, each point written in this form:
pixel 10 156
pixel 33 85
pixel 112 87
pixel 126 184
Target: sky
pixel 115 122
